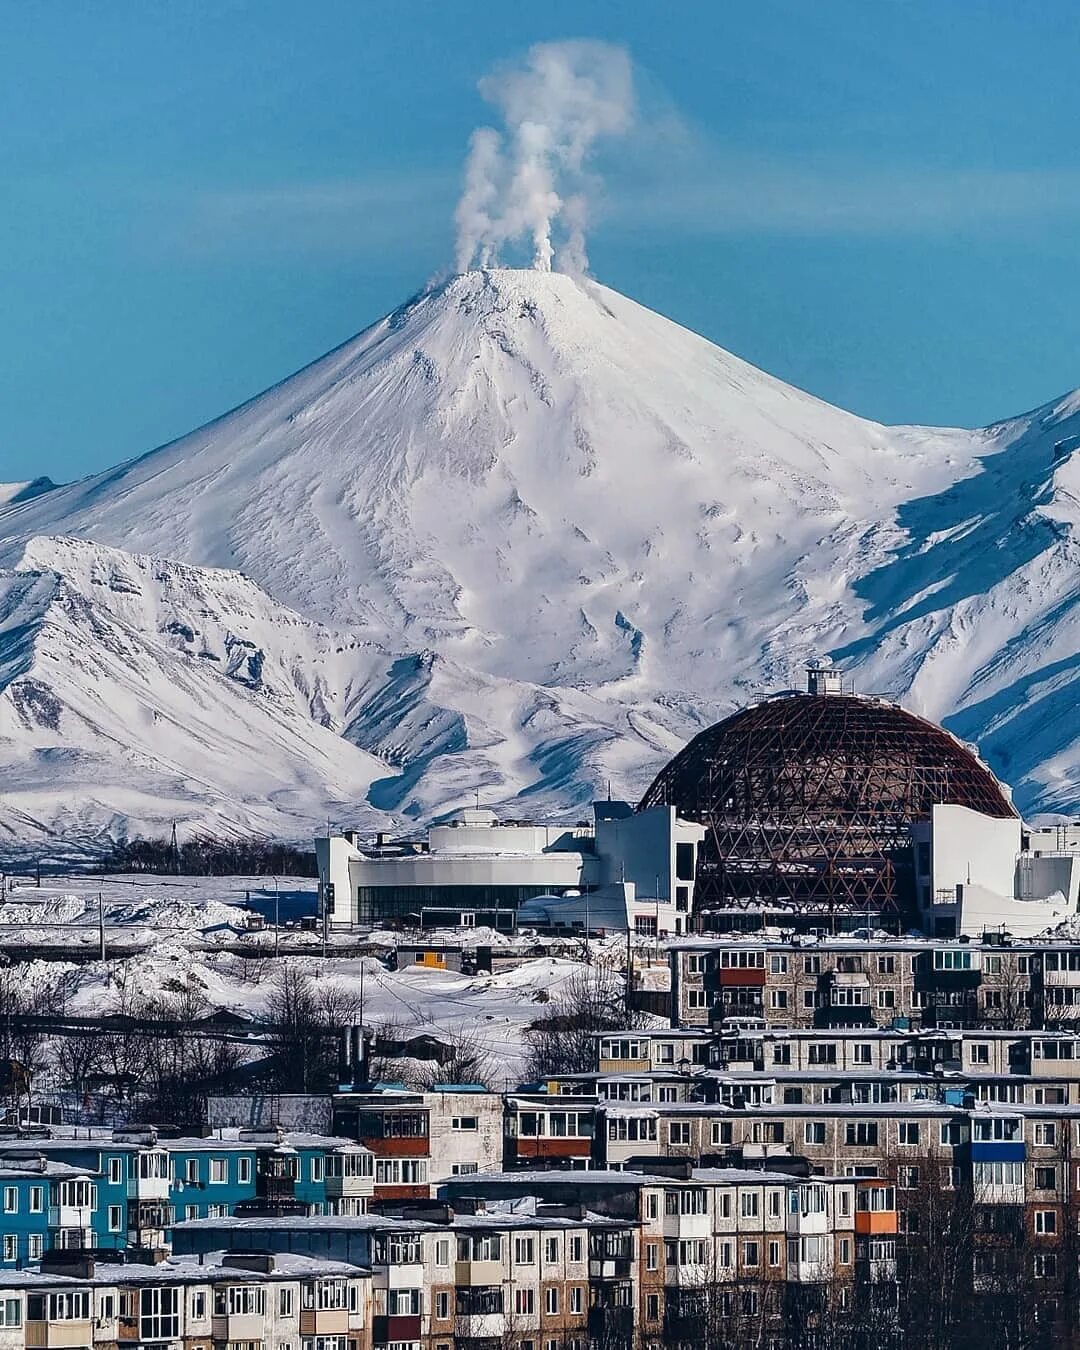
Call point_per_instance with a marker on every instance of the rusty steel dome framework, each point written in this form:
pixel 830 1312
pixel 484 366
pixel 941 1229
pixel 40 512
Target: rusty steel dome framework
pixel 808 801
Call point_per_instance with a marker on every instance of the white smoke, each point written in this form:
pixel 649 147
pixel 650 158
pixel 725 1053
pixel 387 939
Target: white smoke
pixel 531 182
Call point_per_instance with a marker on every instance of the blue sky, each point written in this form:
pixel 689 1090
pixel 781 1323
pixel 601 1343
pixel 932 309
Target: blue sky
pixel 877 202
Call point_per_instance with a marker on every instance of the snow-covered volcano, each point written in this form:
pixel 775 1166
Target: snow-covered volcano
pixel 565 532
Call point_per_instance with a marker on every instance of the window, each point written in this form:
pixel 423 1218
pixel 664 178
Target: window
pixel 1045 1265
pixel 778 964
pixel 778 998
pixel 116 1171
pixel 285 1300
pixel 551 1302
pixel 748 1205
pixel 809 999
pixel 442 1252
pixel 464 1123
pixel 116 1218
pixel 886 998
pixel 861 1133
pixel 577 1247
pixel 954 960
pixel 722 1132
pixel 472 1247
pixel 652 1256
pixel 37 1243
pixel 697 998
pixel 814 1132
pixel 10 1312
pixel 37 1199
pixel 1045 1221
pixel 11 1199
pixel 159 1314
pixel 951 1132
pixel 998 1128
pixel 886 965
pixel 467 1169
pixel 823 1052
pixel 551 1250
pixel 907 1133
pixel 652 1308
pixel 774 1253
pixel 907 1178
pixel 861 1053
pixel 845 1251
pixel 751 1254
pixel 217 1211
pixel 401 1171
pixel 442 1306
pixel 989 1174
pixel 980 1053
pixel 812 965
pixel 219 1171
pixel 11 1247
pixel 679 1132
pixel 524 1302
pixel 239 1300
pixel 191 1211
pixel 781 1053
pixel 1046 1133
pixel 191 1170
pixel 524 1251
pixel 243 1170
pixel 1046 1178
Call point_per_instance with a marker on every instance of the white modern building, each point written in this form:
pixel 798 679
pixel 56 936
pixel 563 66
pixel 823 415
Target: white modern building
pixel 977 873
pixel 476 870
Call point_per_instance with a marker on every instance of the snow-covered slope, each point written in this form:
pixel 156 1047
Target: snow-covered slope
pixel 552 533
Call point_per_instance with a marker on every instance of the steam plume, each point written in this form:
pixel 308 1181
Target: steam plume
pixel 531 182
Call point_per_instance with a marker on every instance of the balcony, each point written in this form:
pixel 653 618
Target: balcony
pixel 335 1322
pixel 59 1335
pixel 238 1326
pixel 467 1273
pixel 71 1216
pixel 386 1329
pixel 616 1323
pixel 882 1221
pixel 610 1268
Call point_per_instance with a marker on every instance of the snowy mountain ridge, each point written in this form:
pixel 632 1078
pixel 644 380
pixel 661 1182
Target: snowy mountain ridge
pixel 523 537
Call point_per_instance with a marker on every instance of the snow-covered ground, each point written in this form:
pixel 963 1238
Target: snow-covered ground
pixel 521 537
pixel 169 934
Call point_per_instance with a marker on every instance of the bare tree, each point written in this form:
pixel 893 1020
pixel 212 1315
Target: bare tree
pixel 562 1040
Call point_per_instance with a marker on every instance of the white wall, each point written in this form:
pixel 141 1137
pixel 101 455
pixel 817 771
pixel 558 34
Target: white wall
pixel 970 848
pixel 983 911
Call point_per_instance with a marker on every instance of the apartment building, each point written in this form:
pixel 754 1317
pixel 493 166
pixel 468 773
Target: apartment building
pixel 417 1139
pixel 271 1302
pixel 845 983
pixel 746 1237
pixel 450 1278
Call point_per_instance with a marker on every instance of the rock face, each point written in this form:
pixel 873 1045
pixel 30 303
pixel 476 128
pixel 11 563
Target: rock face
pixel 522 536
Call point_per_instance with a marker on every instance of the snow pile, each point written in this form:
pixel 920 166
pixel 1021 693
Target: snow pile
pixel 522 537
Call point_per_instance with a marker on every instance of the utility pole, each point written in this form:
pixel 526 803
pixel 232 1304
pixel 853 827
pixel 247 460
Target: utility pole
pixel 101 923
pixel 175 851
pixel 277 919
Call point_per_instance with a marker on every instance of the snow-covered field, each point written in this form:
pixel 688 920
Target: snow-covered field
pixel 522 537
pixel 167 935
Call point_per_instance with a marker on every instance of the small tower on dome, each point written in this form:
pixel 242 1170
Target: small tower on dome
pixel 823 679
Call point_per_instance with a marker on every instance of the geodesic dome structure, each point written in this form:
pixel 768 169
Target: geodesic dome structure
pixel 808 801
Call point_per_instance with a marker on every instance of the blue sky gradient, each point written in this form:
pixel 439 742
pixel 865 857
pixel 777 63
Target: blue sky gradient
pixel 879 203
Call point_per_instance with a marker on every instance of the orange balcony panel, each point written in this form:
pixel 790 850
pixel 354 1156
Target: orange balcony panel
pixel 872 1222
